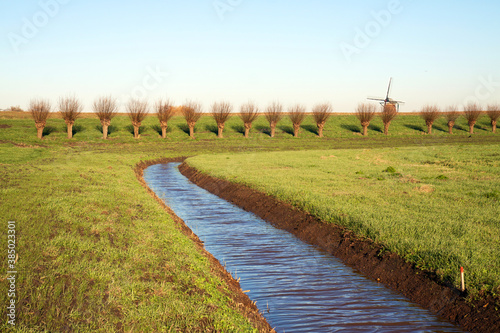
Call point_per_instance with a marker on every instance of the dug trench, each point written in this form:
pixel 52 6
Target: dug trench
pixel 478 314
pixel 241 301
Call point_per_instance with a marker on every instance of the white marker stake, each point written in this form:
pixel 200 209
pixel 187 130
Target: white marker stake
pixel 462 278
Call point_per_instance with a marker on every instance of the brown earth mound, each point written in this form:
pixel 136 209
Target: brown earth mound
pixel 241 300
pixel 422 287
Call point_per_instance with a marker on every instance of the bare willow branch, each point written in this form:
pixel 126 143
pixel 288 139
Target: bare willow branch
pixel 389 112
pixel 40 110
pixel 164 111
pixel 429 114
pixel 493 113
pixel 70 108
pixel 221 112
pixel 297 114
pixel 191 112
pixel 321 113
pixel 451 115
pixel 137 110
pixel 248 113
pixel 105 108
pixel 365 113
pixel 472 112
pixel 274 113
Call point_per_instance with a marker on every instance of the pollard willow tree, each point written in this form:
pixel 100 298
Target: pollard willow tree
pixel 221 112
pixel 472 112
pixel 321 113
pixel 164 112
pixel 248 113
pixel 451 117
pixel 40 110
pixel 137 111
pixel 274 113
pixel 105 108
pixel 365 113
pixel 493 113
pixel 70 109
pixel 429 114
pixel 192 113
pixel 389 112
pixel 297 114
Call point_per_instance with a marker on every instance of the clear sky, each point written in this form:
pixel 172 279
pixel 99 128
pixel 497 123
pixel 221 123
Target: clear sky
pixel 309 51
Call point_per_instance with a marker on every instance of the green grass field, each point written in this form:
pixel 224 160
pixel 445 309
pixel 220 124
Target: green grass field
pixel 96 252
pixel 437 206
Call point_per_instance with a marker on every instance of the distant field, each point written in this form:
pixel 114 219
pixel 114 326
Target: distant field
pixel 438 207
pixel 410 128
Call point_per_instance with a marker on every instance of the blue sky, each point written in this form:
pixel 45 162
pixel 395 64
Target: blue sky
pixel 443 52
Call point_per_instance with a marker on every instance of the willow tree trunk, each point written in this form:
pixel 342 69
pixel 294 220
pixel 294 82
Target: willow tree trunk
pixel 105 124
pixel 386 127
pixel 365 127
pixel 137 125
pixel 191 129
pixel 320 129
pixel 39 129
pixel 429 127
pixel 164 126
pixel 248 126
pixel 220 130
pixel 296 128
pixel 471 126
pixel 450 126
pixel 494 125
pixel 70 123
pixel 273 128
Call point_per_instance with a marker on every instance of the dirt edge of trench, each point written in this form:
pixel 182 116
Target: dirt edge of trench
pixel 241 300
pixel 363 254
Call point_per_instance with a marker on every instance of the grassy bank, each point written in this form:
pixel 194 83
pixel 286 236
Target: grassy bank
pixel 96 252
pixel 438 207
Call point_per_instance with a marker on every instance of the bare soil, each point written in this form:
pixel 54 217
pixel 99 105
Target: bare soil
pixel 475 315
pixel 241 301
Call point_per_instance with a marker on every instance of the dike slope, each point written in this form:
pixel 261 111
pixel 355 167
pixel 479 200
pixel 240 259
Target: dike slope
pixel 371 259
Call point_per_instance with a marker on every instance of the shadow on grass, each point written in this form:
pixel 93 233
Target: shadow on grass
pixel 48 129
pixel 311 128
pixel 439 128
pixel 111 129
pixel 74 130
pixel 461 128
pixel 185 128
pixel 375 128
pixel 212 128
pixel 286 129
pixel 352 128
pixel 157 129
pixel 130 129
pixel 263 129
pixel 238 128
pixel 415 127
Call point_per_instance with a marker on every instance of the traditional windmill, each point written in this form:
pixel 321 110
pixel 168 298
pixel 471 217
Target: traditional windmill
pixel 387 99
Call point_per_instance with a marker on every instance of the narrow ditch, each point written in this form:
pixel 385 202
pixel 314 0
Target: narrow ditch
pixel 298 287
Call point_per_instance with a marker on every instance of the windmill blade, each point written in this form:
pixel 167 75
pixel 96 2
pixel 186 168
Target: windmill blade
pixel 388 89
pixel 376 99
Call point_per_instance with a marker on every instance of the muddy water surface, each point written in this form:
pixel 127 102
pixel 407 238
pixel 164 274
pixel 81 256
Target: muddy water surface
pixel 297 287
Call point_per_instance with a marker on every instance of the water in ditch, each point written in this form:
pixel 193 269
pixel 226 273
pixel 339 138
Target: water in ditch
pixel 298 287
